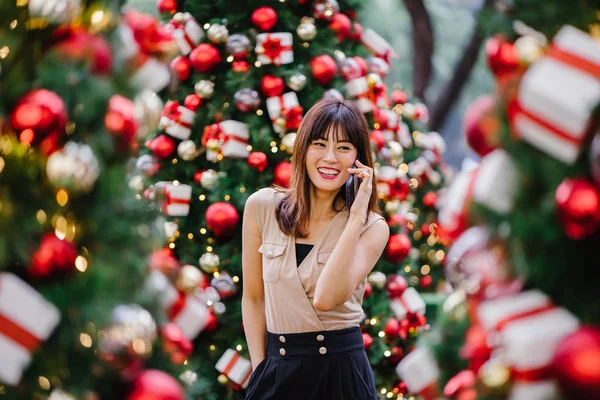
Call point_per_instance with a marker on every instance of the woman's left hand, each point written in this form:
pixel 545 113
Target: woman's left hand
pixel 361 202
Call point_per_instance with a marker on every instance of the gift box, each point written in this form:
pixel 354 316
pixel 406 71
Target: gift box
pixel 285 112
pixel 158 285
pixel 557 95
pixel 389 123
pixel 420 372
pixel 235 367
pixel 422 167
pixel 274 48
pixel 177 120
pixel 497 182
pixel 186 31
pixel 26 320
pixel 409 303
pixel 175 198
pixel 365 97
pixel 151 74
pixel 453 212
pixel 228 138
pixel 378 45
pixel 387 182
pixel 190 314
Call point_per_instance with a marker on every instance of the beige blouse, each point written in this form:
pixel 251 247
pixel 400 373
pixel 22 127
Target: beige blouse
pixel 290 289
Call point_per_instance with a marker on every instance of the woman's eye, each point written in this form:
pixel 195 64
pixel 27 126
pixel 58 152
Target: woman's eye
pixel 344 148
pixel 319 144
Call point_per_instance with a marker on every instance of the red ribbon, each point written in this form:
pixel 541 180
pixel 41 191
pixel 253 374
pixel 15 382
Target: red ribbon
pixel 231 364
pixel 169 199
pixel 531 375
pixel 180 26
pixel 587 66
pixel 529 313
pixel 215 131
pixel 18 334
pixel 272 49
pixel 292 116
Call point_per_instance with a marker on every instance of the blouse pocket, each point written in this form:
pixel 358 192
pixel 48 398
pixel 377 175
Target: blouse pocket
pixel 323 256
pixel 271 260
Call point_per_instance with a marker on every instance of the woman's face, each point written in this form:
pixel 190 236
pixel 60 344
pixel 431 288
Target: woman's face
pixel 327 161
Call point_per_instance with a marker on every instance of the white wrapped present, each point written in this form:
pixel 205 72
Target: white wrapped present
pixel 186 31
pixel 389 123
pixel 410 302
pixel 235 367
pixel 175 198
pixel 177 120
pixel 191 317
pixel 404 137
pixel 228 138
pixel 366 98
pixel 285 112
pixel 26 320
pixel 274 48
pixel 378 45
pixel 158 285
pixel 453 212
pixel 558 94
pixel 151 74
pixel 420 372
pixel 497 182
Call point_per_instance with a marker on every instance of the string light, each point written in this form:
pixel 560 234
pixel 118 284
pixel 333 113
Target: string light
pixel 203 231
pixel 85 340
pixel 209 249
pixel 407 268
pixel 202 197
pixel 13 24
pixel 4 50
pixel 174 161
pixel 206 26
pixel 210 240
pixel 387 353
pixel 212 347
pixel 404 168
pixel 236 279
pixel 230 59
pixel 439 255
pixel 381 334
pixel 70 127
pixel 81 264
pixel 258 64
pixel 44 383
pixel 273 143
pixel 242 189
pixel 238 347
pixel 305 44
pixel 226 104
pixel 259 112
pixel 227 197
pixel 190 235
pixel 425 269
pixel 376 125
pixel 171 245
pixel 41 216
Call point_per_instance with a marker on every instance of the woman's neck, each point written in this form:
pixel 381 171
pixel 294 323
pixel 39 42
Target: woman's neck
pixel 321 204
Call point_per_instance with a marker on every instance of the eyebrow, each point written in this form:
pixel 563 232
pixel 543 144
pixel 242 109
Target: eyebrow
pixel 339 141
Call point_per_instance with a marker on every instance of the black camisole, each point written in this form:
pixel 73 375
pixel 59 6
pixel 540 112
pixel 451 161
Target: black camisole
pixel 302 251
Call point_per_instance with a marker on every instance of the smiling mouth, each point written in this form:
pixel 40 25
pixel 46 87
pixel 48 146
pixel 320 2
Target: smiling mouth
pixel 328 173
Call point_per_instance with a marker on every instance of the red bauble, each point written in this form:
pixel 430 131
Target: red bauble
pixel 357 31
pixel 166 6
pixel 53 256
pixel 258 160
pixel 476 348
pixel 151 36
pixel 481 125
pixel 181 67
pixel 368 340
pixel 272 85
pixel 205 57
pixel 426 229
pixel 162 146
pixel 264 18
pixel 398 247
pixel 176 343
pixel 211 321
pixel 283 173
pixel 426 281
pixel 429 199
pixel 323 68
pixel 576 364
pixel 155 384
pixel 399 97
pixel 40 118
pixel 501 56
pixel 80 45
pixel 192 101
pixel 578 204
pixel 340 24
pixel 377 138
pixel 164 261
pixel 221 218
pixel 368 291
pixel 119 119
pixel 362 64
pixel 391 328
pixel 397 354
pixel 402 389
pixel 396 285
pixel 240 66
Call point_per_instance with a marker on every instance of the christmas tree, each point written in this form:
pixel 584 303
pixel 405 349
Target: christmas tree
pixel 74 320
pixel 228 129
pixel 523 320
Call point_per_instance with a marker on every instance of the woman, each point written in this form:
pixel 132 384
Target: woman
pixel 306 256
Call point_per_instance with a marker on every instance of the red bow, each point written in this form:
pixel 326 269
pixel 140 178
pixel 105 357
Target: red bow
pixel 293 117
pixel 173 112
pixel 411 323
pixel 215 131
pixel 272 49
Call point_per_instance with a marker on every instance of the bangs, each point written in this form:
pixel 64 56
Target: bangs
pixel 340 120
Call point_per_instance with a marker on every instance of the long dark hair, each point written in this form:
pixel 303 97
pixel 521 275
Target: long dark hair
pixel 327 115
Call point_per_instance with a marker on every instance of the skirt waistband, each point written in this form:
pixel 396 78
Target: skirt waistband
pixel 314 343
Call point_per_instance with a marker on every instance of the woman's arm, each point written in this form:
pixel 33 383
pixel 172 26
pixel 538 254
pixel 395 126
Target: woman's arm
pixel 353 257
pixel 253 296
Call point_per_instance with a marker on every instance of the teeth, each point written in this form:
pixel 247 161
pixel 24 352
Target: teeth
pixel 328 171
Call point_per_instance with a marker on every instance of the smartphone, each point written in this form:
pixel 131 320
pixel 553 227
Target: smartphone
pixel 352 185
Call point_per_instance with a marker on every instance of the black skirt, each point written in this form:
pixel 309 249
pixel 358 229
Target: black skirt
pixel 326 365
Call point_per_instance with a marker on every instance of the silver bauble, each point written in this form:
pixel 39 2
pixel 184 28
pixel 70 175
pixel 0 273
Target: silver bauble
pixel 297 81
pixel 75 167
pixel 306 30
pixel 217 33
pixel 238 45
pixel 147 165
pixel 147 112
pixel 246 99
pixel 205 89
pixel 209 179
pixel 209 262
pixel 187 150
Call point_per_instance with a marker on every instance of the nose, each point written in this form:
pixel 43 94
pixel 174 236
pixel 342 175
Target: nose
pixel 330 155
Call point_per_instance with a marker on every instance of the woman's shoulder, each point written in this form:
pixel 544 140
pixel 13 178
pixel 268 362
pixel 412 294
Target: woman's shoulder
pixel 264 197
pixel 371 219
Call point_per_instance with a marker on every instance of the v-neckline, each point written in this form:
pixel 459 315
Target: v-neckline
pixel 317 243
